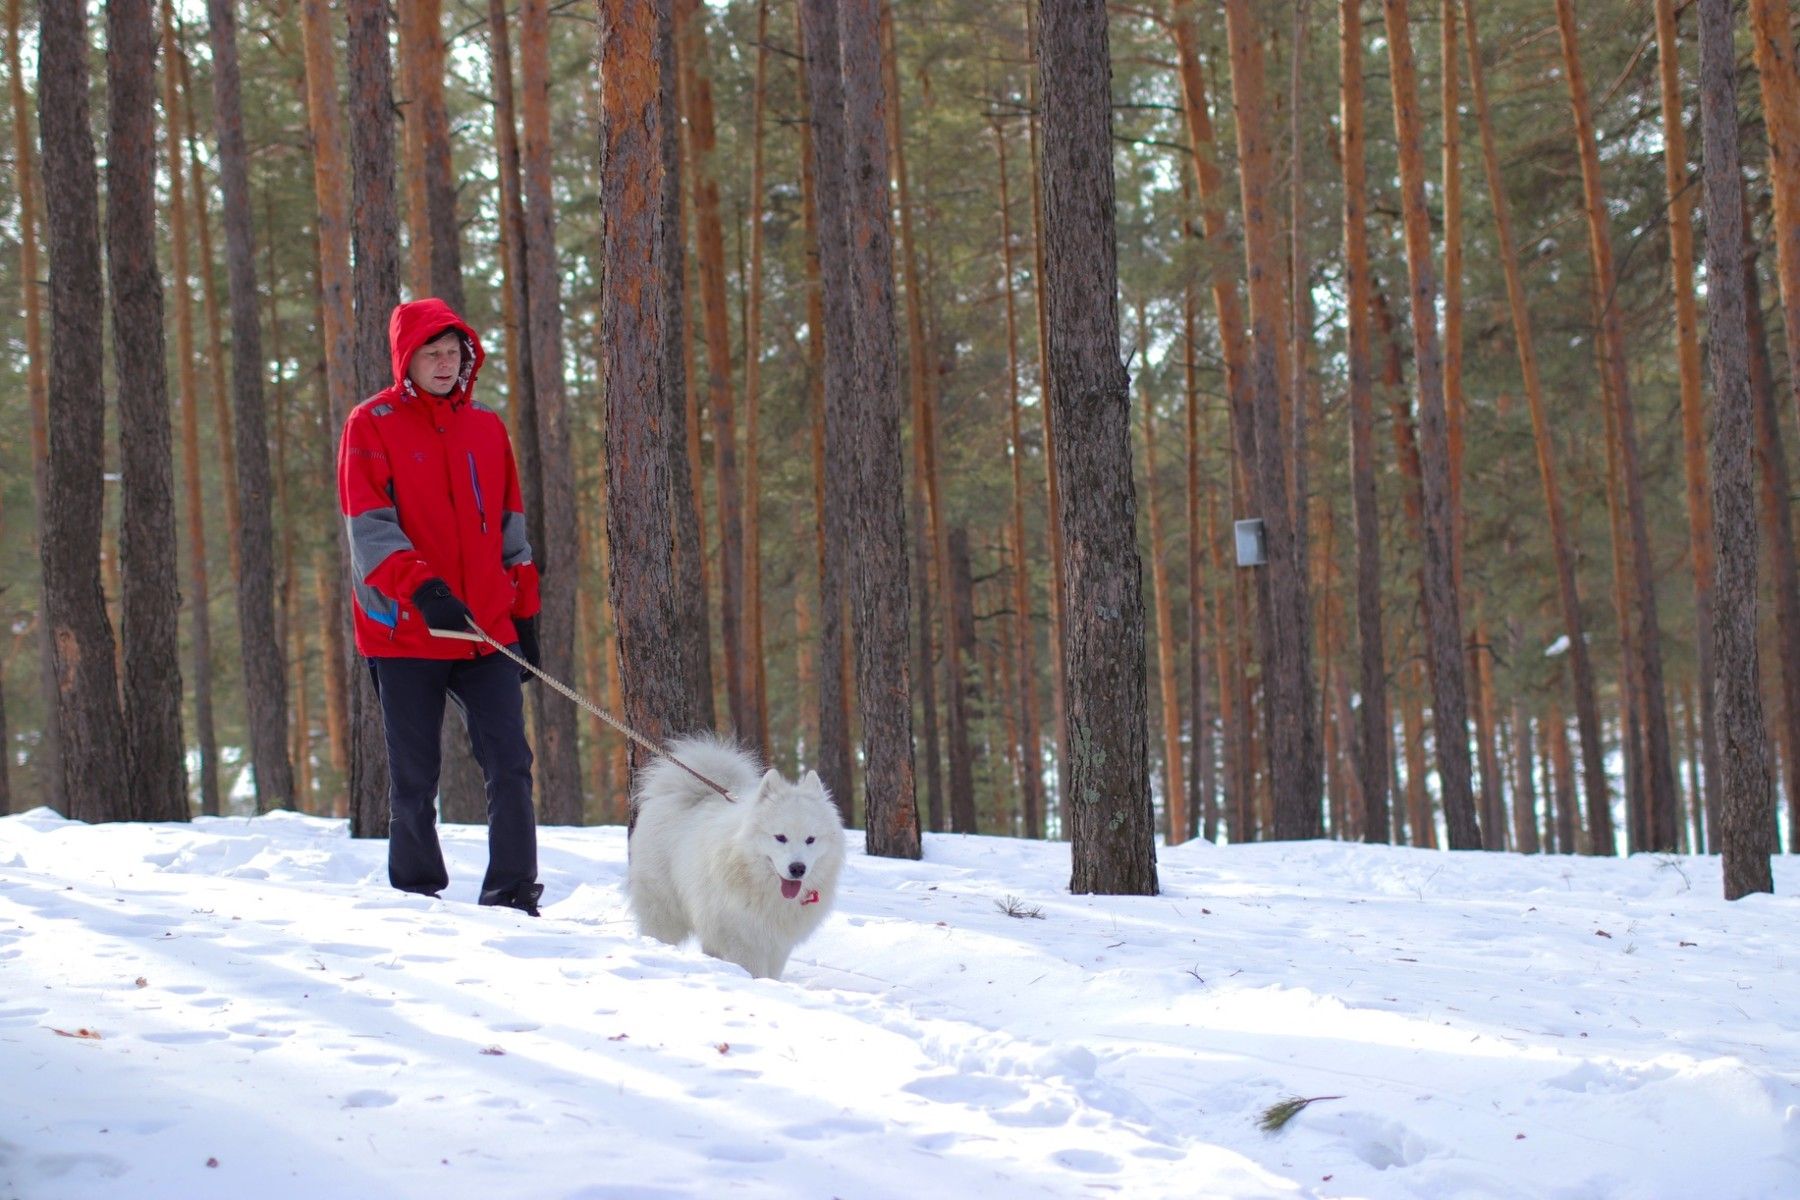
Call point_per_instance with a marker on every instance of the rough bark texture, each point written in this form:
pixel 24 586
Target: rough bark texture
pixel 200 611
pixel 823 176
pixel 375 287
pixel 440 223
pixel 959 606
pixel 692 625
pixel 1660 773
pixel 1112 822
pixel 638 452
pixel 1443 613
pixel 1745 796
pixel 878 582
pixel 47 760
pixel 1168 690
pixel 265 672
pixel 1587 706
pixel 1778 75
pixel 1202 806
pixel 756 687
pixel 559 765
pixel 94 772
pixel 150 603
pixel 1373 734
pixel 1293 743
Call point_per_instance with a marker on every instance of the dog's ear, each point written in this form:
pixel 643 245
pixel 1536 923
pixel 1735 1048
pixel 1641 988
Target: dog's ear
pixel 811 780
pixel 771 777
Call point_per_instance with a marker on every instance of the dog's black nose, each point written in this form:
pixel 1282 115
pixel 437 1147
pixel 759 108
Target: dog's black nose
pixel 796 869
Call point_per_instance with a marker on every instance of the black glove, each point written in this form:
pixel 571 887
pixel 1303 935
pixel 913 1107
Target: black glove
pixel 526 628
pixel 440 607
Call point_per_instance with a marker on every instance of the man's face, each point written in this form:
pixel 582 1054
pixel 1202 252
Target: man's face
pixel 436 364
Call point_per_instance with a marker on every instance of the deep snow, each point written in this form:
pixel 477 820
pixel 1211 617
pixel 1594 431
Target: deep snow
pixel 270 1021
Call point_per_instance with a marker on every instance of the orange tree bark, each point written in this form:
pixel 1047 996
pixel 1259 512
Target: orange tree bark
pixel 756 683
pixel 94 773
pixel 1778 75
pixel 709 241
pixel 1687 349
pixel 1174 782
pixel 637 400
pixel 1202 792
pixel 265 672
pixel 1745 798
pixel 878 579
pixel 1293 742
pixel 444 258
pixel 200 619
pixel 1581 667
pixel 1031 755
pixel 1455 403
pixel 1778 524
pixel 1373 733
pixel 558 751
pixel 835 367
pixel 1443 612
pixel 150 604
pixel 1660 773
pixel 1113 824
pixel 375 288
pixel 331 199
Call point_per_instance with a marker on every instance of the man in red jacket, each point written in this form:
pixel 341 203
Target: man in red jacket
pixel 429 490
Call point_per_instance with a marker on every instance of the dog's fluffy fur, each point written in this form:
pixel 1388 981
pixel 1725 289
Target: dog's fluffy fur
pixel 753 878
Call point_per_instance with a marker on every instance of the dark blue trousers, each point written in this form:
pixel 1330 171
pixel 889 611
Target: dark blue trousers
pixel 488 691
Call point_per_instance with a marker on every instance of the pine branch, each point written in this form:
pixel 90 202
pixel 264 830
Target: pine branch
pixel 1276 1116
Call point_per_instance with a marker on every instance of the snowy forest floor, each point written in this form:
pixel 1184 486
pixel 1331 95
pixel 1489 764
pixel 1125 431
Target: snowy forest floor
pixel 241 1007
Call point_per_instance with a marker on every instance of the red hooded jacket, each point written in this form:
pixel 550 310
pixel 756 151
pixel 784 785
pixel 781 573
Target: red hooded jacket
pixel 428 487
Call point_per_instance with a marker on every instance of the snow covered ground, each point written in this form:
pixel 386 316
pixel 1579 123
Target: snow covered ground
pixel 242 1008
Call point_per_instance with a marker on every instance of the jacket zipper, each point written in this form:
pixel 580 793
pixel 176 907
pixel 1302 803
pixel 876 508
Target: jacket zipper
pixel 475 482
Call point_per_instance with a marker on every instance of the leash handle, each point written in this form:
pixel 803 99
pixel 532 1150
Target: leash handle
pixel 644 742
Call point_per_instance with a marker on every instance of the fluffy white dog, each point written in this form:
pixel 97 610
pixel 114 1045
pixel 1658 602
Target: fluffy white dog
pixel 752 876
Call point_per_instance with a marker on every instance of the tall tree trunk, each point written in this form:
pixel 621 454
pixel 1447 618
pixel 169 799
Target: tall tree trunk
pixel 151 597
pixel 1778 74
pixel 1660 773
pixel 1562 774
pixel 1486 717
pixel 1455 404
pixel 375 288
pixel 265 673
pixel 959 606
pixel 709 241
pixel 200 631
pixel 1053 532
pixel 1373 736
pixel 756 682
pixel 1443 611
pixel 1687 349
pixel 1202 799
pixel 332 217
pixel 1587 706
pixel 46 761
pixel 94 770
pixel 215 338
pixel 1778 525
pixel 559 771
pixel 638 521
pixel 1174 782
pixel 878 579
pixel 1031 756
pixel 930 541
pixel 1113 824
pixel 439 224
pixel 1293 745
pixel 835 369
pixel 692 627
pixel 1748 814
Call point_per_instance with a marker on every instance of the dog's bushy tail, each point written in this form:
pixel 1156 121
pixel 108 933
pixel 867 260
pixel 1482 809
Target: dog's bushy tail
pixel 715 756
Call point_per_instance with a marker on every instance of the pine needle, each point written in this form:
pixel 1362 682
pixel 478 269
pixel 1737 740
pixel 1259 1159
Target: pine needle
pixel 1276 1116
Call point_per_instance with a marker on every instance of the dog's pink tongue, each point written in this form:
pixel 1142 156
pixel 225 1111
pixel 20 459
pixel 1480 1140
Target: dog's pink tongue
pixel 790 888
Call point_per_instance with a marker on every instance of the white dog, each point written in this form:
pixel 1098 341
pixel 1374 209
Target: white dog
pixel 752 876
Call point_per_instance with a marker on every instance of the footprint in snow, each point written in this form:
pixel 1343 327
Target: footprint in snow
pixel 830 1127
pixel 26 1015
pixel 348 949
pixel 1090 1161
pixel 727 1152
pixel 375 1060
pixel 977 1091
pixel 184 1037
pixel 370 1098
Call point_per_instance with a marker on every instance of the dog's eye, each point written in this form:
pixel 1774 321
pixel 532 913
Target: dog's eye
pixel 809 841
pixel 782 838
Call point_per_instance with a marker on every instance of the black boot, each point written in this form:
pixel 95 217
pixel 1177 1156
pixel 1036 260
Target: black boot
pixel 522 896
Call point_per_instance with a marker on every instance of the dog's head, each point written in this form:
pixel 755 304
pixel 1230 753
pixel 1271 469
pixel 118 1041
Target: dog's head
pixel 796 828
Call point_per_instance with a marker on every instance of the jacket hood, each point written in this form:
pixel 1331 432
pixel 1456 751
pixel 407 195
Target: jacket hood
pixel 419 321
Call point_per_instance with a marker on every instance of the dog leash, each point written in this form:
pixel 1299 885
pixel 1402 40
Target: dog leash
pixel 479 634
